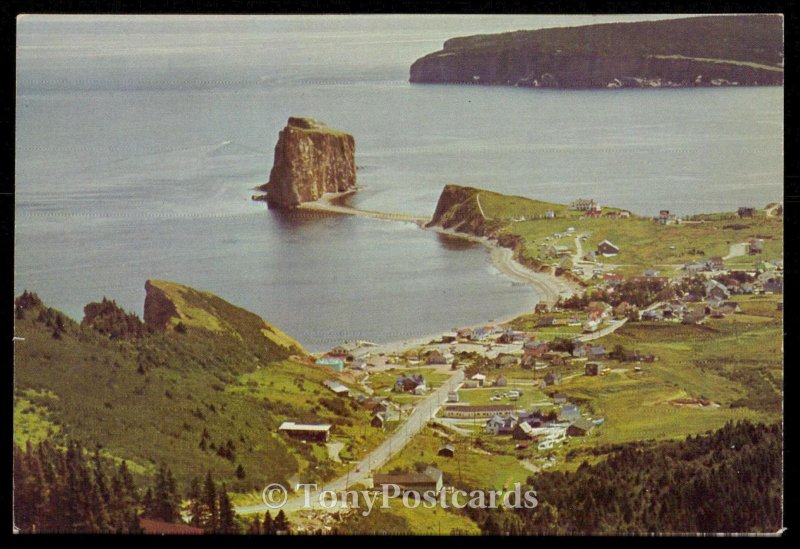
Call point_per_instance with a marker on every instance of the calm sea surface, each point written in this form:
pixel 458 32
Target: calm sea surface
pixel 139 141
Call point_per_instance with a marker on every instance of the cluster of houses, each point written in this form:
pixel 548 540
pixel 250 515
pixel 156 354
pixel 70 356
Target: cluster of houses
pixel 544 428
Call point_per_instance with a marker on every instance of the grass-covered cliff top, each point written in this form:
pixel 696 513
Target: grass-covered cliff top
pixel 755 38
pixel 313 125
pixel 643 242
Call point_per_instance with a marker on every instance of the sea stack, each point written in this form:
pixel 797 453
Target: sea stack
pixel 311 159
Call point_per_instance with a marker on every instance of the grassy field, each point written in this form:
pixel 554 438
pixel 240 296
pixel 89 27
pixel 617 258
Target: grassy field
pixel 735 362
pixel 531 396
pixel 471 465
pixel 385 379
pixel 643 242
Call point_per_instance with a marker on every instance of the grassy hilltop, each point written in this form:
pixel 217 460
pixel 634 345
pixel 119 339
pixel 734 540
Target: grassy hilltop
pixel 521 223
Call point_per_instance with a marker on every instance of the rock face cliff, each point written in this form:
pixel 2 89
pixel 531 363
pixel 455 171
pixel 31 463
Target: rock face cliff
pixel 310 159
pixel 700 51
pixel 458 210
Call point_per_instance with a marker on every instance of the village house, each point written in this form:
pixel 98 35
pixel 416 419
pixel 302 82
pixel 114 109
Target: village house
pixel 506 337
pixel 335 364
pixel 568 412
pixel 585 205
pixel 546 322
pixel 358 364
pixel 559 398
pixel 591 325
pixel 756 246
pixel 694 317
pixel 452 396
pixel 774 285
pixel 607 248
pixel 408 383
pixel 596 351
pixel 450 337
pixel 309 432
pixel 673 310
pixel 667 218
pixel 535 348
pixel 522 431
pixel 694 266
pixel 580 427
pixel 340 352
pixel 477 411
pixel 592 213
pixel 552 378
pixel 465 333
pixel 591 369
pixel 338 388
pixel 479 378
pixel 558 250
pixel 505 361
pixel 629 355
pixel 499 425
pixel 715 263
pixel 501 381
pixel 436 357
pixel 541 308
pixel 580 349
pixel 746 211
pixel 653 314
pixel 378 420
pixel 549 214
pixel 429 480
pixel 715 290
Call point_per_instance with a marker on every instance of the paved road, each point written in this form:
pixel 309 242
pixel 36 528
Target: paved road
pixel 578 250
pixel 736 250
pixel 425 410
pixel 613 327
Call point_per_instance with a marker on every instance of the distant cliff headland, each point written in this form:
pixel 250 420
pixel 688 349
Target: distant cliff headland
pixel 311 159
pixel 742 50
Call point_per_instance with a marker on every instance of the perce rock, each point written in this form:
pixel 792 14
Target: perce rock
pixel 311 159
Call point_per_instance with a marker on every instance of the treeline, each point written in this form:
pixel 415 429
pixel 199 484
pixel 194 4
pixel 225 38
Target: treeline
pixel 640 293
pixel 69 491
pixel 110 319
pixel 728 481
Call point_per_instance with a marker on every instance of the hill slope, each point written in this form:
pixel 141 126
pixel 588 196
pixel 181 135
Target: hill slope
pixel 202 389
pixel 712 50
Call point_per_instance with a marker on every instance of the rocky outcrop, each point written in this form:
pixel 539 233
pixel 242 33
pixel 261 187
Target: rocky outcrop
pixel 458 210
pixel 311 159
pixel 159 309
pixel 701 51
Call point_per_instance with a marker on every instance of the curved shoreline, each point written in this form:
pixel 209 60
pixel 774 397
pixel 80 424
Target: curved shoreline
pixel 547 287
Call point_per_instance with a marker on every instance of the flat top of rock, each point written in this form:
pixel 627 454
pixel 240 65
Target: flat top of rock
pixel 312 125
